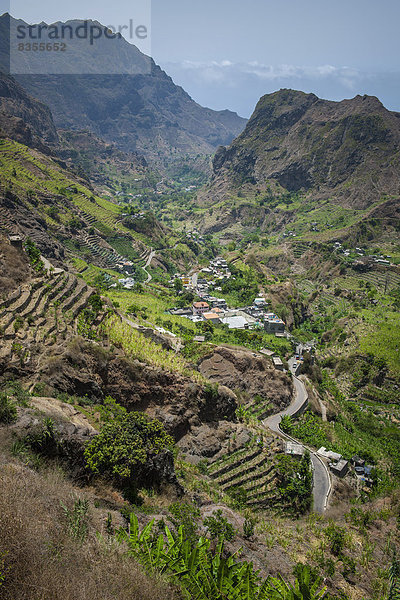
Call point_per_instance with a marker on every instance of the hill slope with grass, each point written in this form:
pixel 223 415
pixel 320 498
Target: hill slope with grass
pixel 141 435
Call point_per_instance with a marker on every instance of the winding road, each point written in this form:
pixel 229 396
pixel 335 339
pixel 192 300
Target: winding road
pixel 321 478
pixel 148 262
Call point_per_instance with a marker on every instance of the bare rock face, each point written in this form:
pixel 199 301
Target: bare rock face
pixel 212 439
pixel 159 472
pixel 241 370
pixel 23 118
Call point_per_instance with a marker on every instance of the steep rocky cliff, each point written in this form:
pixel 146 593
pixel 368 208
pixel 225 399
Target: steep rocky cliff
pixel 23 118
pixel 295 142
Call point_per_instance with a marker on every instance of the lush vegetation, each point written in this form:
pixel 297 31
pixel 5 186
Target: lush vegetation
pixel 295 482
pixel 355 432
pixel 33 253
pixel 136 345
pixel 124 446
pixel 204 571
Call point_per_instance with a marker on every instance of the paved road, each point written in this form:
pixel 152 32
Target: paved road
pixel 148 261
pixel 321 478
pixel 194 280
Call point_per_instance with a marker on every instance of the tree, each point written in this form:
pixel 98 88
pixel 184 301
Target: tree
pixel 178 285
pixel 123 447
pixel 33 253
pixel 295 482
pixel 286 424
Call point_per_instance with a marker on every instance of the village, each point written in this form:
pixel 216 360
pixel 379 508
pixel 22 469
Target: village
pixel 215 310
pixel 362 257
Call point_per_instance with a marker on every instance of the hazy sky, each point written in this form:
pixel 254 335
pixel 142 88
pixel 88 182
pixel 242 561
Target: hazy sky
pixel 227 53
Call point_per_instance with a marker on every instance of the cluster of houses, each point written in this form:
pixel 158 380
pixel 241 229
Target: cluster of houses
pixel 215 310
pixel 367 259
pixel 137 215
pixel 337 464
pixel 125 266
pixel 340 466
pixel 212 276
pixel 195 236
pixel 127 283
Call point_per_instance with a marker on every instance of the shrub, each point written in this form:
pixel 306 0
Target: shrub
pixel 336 537
pixel 295 482
pixel 211 391
pixel 18 323
pixel 239 496
pixel 219 527
pixel 77 519
pixel 43 439
pixel 185 515
pixel 33 253
pixel 248 527
pixel 8 410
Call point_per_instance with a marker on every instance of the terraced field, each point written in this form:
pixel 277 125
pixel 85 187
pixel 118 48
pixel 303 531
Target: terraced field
pixel 44 186
pixel 99 212
pixel 259 407
pixel 250 470
pixel 41 311
pixel 300 248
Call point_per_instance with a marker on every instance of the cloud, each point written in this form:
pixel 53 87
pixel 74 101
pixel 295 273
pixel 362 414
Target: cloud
pixel 238 85
pixel 225 68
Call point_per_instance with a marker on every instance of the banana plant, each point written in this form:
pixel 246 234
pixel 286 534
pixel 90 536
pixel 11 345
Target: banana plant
pixel 205 574
pixel 306 587
pixel 394 580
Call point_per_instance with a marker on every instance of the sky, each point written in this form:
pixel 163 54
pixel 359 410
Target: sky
pixel 228 53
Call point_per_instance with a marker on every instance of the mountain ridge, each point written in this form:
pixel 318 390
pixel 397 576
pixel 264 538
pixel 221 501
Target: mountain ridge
pixel 144 112
pixel 347 151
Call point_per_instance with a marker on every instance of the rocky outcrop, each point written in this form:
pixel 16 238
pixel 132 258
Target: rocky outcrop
pixel 212 440
pixel 180 404
pixel 159 473
pixel 70 432
pixel 248 374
